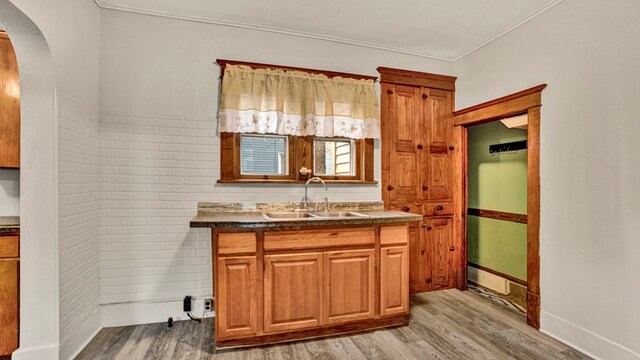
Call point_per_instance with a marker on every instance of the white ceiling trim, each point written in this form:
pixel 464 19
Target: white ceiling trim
pixel 136 10
pixel 508 30
pixel 266 28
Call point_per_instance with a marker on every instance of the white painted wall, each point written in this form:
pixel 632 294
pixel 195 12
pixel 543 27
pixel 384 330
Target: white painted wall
pixel 9 192
pixel 71 30
pixel 588 51
pixel 39 334
pixel 158 102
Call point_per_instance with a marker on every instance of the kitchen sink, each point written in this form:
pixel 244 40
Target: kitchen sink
pixel 338 214
pixel 289 215
pixel 312 215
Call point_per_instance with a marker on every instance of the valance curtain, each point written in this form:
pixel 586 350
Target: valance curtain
pixel 273 101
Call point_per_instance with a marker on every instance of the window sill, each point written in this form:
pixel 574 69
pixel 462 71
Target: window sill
pixel 260 181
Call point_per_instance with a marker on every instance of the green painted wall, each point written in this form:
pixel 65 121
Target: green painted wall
pixel 497 182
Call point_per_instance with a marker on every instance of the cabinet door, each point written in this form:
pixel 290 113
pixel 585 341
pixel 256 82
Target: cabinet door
pixel 9 105
pixel 292 291
pixel 405 130
pixel 437 160
pixel 418 260
pixel 349 286
pixel 440 241
pixel 394 281
pixel 237 294
pixel 8 306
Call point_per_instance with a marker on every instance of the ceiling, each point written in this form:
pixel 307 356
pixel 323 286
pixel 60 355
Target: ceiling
pixel 443 29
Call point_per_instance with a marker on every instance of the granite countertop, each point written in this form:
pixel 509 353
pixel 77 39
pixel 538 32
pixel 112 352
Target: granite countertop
pixel 255 219
pixel 9 223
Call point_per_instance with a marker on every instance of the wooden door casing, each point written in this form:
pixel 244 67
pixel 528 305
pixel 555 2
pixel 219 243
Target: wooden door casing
pixel 349 286
pixel 237 294
pixel 292 291
pixel 394 294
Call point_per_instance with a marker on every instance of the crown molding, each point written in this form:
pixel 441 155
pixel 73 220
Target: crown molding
pixel 509 29
pixel 199 19
pixel 335 39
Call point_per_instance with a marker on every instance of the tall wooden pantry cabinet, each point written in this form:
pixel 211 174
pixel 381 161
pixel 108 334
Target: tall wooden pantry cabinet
pixel 417 169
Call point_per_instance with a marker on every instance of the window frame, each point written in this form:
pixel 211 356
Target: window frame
pixel 300 154
pixel 270 176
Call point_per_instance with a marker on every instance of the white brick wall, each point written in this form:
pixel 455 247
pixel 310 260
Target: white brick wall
pixel 79 209
pixel 156 170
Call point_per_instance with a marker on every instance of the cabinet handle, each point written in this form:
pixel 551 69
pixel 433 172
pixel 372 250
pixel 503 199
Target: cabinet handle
pixel 427 227
pixel 451 248
pixel 406 209
pixel 425 188
pixel 451 148
pixel 424 96
pixel 389 187
pixel 421 252
pixel 428 280
pixel 439 208
pixel 420 146
pixel 389 92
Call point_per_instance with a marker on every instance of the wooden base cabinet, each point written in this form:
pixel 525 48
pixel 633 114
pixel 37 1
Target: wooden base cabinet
pixel 394 263
pixel 292 291
pixel 237 294
pixel 349 286
pixel 9 294
pixel 276 285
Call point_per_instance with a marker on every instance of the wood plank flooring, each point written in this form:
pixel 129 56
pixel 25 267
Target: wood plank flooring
pixel 444 325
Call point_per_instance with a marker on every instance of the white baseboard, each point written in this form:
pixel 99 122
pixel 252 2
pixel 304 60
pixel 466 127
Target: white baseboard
pixel 583 340
pixel 49 352
pixel 135 313
pixel 82 335
pixel 488 280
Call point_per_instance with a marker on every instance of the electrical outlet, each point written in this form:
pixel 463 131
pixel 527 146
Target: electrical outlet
pixel 208 304
pixel 186 304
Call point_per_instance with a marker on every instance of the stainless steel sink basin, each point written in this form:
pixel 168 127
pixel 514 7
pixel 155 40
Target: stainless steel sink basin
pixel 289 215
pixel 312 215
pixel 338 214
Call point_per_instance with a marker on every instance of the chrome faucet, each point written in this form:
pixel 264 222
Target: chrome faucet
pixel 306 193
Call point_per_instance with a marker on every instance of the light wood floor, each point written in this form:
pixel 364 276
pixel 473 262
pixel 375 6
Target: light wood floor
pixel 444 325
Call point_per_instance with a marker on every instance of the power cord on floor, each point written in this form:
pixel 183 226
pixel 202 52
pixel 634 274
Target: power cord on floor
pixel 186 307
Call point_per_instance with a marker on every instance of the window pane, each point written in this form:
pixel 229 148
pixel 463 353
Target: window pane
pixel 334 157
pixel 263 155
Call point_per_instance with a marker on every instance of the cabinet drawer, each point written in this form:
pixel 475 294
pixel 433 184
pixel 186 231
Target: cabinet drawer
pixel 394 235
pixel 435 209
pixel 236 243
pixel 9 247
pixel 315 239
pixel 408 208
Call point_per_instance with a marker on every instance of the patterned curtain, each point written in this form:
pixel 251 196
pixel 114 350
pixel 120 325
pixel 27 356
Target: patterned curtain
pixel 297 103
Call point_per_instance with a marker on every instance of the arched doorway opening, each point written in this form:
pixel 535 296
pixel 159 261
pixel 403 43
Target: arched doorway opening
pixel 39 299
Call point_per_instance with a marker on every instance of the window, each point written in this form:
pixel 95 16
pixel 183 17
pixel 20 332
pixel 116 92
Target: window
pixel 334 157
pixel 263 155
pixel 280 158
pixel 311 117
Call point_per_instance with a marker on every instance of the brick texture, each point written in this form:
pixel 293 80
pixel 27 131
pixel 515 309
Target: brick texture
pixel 156 169
pixel 80 187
